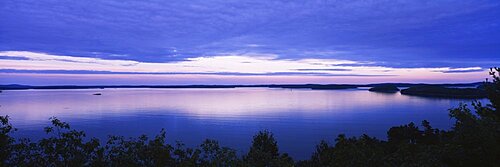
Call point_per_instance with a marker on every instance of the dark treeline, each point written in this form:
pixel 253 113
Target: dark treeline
pixel 474 140
pixel 288 86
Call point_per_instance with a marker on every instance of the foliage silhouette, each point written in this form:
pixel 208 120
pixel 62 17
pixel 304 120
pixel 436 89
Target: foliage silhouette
pixel 264 152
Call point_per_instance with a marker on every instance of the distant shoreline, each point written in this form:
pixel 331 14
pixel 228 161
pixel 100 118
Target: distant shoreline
pixel 289 86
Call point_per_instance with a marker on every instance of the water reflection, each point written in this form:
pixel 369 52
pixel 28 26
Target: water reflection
pixel 299 118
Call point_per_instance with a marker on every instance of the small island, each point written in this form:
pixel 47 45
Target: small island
pixel 384 89
pixel 439 91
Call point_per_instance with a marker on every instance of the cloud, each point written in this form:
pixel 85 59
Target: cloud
pixel 184 73
pixel 244 65
pixel 390 39
pixel 13 58
pixel 251 64
pixel 322 69
pixel 461 70
pixel 412 32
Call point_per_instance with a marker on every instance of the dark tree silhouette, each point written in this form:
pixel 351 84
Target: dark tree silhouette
pixel 265 152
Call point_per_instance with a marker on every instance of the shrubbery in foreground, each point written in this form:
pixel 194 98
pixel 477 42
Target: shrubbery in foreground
pixel 474 140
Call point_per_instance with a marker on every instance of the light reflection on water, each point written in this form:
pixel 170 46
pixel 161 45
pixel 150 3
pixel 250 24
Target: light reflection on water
pixel 298 118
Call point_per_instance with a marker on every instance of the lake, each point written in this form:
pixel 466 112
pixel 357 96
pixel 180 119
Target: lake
pixel 299 118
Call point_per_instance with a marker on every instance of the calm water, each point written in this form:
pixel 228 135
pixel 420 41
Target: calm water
pixel 298 118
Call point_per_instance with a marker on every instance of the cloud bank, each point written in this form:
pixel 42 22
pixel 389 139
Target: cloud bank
pixel 297 41
pixel 15 62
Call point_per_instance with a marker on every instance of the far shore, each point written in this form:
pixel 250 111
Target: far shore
pixel 453 90
pixel 290 86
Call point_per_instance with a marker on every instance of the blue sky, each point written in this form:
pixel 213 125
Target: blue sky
pixel 388 40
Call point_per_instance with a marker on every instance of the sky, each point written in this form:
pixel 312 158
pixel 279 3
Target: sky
pixel 58 42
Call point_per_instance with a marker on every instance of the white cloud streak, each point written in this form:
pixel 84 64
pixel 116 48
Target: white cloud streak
pixel 247 64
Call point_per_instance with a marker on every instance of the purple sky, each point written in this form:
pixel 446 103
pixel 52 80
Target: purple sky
pixel 247 42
